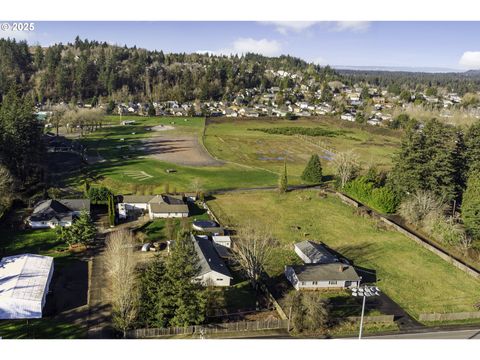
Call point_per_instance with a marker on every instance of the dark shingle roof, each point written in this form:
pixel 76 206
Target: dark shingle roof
pixel 317 253
pixel 325 272
pixel 60 209
pixel 208 257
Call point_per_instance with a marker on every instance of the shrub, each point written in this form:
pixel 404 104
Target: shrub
pixel 382 199
pixel 419 205
pixel 296 130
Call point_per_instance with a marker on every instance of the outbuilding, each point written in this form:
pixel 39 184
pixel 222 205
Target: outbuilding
pixel 24 283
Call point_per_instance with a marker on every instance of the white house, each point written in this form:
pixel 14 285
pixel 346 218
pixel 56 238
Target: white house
pixel 213 270
pixel 314 253
pixel 321 276
pixel 24 284
pixel 51 213
pixel 157 206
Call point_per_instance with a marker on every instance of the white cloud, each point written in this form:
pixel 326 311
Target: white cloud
pixel 355 26
pixel 470 60
pixel 284 27
pixel 248 45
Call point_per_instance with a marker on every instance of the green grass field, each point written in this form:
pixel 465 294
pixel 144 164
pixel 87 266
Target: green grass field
pixel 415 278
pixel 235 140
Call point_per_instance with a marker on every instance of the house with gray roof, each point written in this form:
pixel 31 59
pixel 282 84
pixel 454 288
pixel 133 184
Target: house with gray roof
pixel 60 212
pixel 213 270
pixel 322 276
pixel 314 253
pixel 157 206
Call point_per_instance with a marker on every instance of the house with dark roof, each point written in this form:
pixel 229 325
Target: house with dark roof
pixel 314 253
pixel 321 276
pixel 61 212
pixel 157 206
pixel 213 270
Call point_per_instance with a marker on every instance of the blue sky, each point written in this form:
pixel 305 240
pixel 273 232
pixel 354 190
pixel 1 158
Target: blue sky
pixel 452 45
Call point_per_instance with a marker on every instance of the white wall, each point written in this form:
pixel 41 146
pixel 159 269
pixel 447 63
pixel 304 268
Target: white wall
pixel 215 279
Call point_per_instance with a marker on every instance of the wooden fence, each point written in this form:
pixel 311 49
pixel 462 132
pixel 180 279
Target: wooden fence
pixel 450 316
pixel 201 330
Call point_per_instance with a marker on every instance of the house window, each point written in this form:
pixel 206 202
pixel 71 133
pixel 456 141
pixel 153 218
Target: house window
pixel 314 282
pixel 334 282
pixel 219 279
pixel 303 283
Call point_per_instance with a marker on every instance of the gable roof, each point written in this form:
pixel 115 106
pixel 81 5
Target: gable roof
pixel 60 209
pixel 209 260
pixel 325 272
pixel 317 253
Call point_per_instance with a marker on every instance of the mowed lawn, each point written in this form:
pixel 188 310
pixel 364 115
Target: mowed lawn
pixel 234 140
pixel 125 165
pixel 415 278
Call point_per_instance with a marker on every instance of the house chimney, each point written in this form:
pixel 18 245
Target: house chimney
pixel 341 267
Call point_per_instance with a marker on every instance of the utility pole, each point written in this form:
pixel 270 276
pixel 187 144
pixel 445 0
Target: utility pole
pixel 364 291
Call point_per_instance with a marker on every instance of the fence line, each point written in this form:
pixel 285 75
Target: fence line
pixel 270 324
pixel 424 243
pixel 450 316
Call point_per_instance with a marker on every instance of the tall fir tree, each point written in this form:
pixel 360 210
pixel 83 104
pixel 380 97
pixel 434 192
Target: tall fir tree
pixel 313 170
pixel 471 205
pixel 430 159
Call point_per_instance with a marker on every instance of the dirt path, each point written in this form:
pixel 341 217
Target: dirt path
pixel 178 149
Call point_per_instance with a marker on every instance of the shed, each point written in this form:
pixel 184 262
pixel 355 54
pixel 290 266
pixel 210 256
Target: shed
pixel 24 284
pixel 314 253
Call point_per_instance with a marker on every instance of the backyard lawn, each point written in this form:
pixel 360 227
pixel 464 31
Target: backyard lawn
pixel 415 278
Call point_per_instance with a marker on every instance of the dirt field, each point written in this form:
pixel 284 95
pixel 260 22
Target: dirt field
pixel 178 149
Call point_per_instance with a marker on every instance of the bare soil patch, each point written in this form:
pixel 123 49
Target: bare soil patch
pixel 178 149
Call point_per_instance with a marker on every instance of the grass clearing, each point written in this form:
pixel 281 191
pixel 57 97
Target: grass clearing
pixel 125 162
pixel 415 278
pixel 236 140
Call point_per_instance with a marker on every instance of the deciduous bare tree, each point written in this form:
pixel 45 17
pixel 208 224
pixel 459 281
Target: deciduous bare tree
pixel 346 166
pixel 57 117
pixel 120 260
pixel 252 248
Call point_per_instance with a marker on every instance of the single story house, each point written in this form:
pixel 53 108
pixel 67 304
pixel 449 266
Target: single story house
pixel 61 212
pixel 314 253
pixel 157 206
pixel 322 276
pixel 213 270
pixel 24 283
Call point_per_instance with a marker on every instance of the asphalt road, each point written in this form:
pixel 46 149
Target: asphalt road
pixel 445 334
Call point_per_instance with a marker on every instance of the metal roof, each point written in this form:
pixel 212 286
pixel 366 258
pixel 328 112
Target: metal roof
pixel 317 253
pixel 25 277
